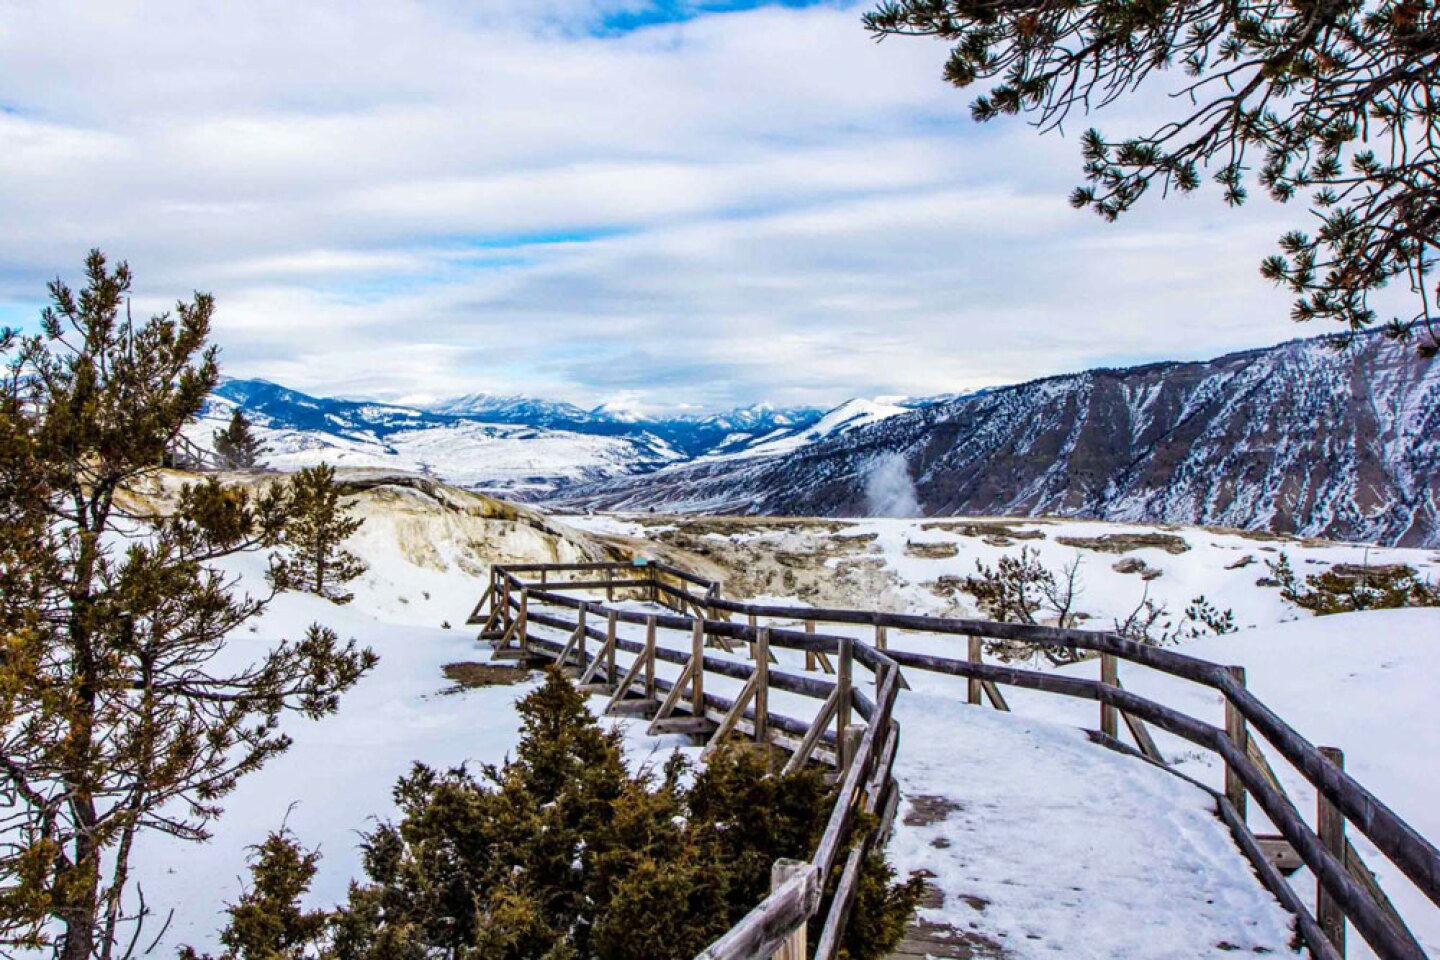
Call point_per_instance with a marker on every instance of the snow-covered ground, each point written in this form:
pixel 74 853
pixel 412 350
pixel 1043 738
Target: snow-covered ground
pixel 1060 847
pixel 1154 848
pixel 913 565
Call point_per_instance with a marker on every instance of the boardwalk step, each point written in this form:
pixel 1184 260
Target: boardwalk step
pixel 691 725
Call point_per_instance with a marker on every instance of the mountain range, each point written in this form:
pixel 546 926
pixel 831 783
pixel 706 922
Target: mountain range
pixel 522 447
pixel 1298 438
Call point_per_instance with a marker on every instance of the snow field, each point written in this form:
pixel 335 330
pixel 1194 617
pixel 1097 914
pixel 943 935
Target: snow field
pixel 1366 683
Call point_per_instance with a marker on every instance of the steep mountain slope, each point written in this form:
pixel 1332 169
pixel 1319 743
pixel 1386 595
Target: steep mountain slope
pixel 1296 438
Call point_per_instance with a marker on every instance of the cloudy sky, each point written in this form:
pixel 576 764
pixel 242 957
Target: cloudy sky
pixel 649 202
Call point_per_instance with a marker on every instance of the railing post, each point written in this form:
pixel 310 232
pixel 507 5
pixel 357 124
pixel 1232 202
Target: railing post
pixel 525 619
pixel 881 638
pixel 610 638
pixel 1330 825
pixel 975 653
pixel 842 702
pixel 697 672
pixel 505 603
pixel 650 658
pixel 795 946
pixel 848 744
pixel 751 618
pixel 809 655
pixel 580 641
pixel 762 686
pixel 1109 716
pixel 1239 733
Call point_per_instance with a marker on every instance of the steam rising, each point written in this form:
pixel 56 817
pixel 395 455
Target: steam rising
pixel 889 491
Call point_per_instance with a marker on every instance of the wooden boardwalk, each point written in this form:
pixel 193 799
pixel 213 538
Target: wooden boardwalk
pixel 687 666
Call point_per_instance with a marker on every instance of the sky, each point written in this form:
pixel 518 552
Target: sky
pixel 664 206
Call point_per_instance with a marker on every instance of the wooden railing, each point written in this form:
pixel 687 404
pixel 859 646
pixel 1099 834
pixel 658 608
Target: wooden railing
pixel 863 756
pixel 184 454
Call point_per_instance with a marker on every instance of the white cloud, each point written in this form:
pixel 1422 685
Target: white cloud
pixel 399 198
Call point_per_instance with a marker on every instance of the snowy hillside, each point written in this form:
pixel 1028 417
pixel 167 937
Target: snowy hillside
pixel 1346 681
pixel 1297 438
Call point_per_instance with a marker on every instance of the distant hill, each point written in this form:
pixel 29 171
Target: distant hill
pixel 1296 438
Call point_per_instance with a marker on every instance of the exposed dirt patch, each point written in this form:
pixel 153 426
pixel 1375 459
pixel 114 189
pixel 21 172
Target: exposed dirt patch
pixel 932 551
pixel 1356 572
pixel 929 808
pixel 1125 542
pixel 468 676
pixel 990 531
pixel 1240 564
pixel 941 941
pixel 949 586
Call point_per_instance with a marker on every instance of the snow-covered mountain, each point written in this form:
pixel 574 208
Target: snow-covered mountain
pixel 522 446
pixel 1295 438
pixel 848 416
pixel 513 409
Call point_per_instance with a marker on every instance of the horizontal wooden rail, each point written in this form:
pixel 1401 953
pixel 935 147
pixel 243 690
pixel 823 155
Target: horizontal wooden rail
pixel 1416 857
pixel 867 784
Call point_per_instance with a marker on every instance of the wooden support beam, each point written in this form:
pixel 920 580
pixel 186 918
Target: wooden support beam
pixel 843 703
pixel 1110 676
pixel 812 737
pixel 762 686
pixel 604 656
pixel 474 617
pixel 997 699
pixel 975 654
pixel 1280 853
pixel 731 719
pixel 1357 869
pixel 650 659
pixel 1239 734
pixel 611 640
pixel 1330 826
pixel 848 742
pixel 524 621
pixel 626 682
pixel 882 641
pixel 697 675
pixel 577 639
pixel 672 700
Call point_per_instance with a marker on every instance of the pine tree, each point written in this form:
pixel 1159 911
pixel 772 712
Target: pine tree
pixel 115 717
pixel 315 532
pixel 237 444
pixel 566 853
pixel 269 923
pixel 1333 101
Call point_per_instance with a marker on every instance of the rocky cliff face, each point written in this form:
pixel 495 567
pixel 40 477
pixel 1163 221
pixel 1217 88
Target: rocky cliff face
pixel 1297 438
